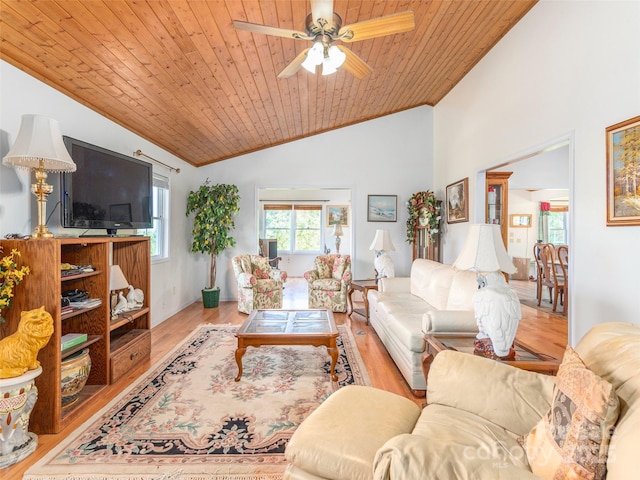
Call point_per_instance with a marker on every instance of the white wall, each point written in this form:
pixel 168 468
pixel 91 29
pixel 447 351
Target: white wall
pixel 566 70
pixel 20 94
pixel 387 156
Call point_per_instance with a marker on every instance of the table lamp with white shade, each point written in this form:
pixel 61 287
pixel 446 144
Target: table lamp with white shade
pixel 496 305
pixel 381 245
pixel 337 232
pixel 39 146
pixel 117 282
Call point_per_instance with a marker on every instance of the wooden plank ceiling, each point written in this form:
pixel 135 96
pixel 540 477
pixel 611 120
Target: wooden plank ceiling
pixel 178 74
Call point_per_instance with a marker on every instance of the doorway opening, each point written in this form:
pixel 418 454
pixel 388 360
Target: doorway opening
pixel 541 174
pixel 302 203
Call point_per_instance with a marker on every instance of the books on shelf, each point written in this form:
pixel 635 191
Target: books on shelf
pixel 72 339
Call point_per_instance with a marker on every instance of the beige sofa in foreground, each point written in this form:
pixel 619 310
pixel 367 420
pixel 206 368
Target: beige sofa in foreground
pixel 436 298
pixel 477 411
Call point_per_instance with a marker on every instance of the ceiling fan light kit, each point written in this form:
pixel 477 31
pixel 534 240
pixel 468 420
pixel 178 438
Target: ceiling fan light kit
pixel 324 32
pixel 331 58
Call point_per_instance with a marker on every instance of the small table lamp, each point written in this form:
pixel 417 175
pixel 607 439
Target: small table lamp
pixel 496 305
pixel 39 146
pixel 382 263
pixel 337 232
pixel 117 281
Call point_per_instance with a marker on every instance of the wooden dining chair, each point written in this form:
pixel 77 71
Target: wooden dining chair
pixel 563 259
pixel 546 264
pixel 552 276
pixel 539 272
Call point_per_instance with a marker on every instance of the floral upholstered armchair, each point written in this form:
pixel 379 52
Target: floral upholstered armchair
pixel 329 282
pixel 259 285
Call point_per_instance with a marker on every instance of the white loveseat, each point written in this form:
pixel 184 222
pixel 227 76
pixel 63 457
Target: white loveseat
pixel 436 298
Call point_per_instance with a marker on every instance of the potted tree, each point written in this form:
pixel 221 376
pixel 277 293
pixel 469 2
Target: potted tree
pixel 213 207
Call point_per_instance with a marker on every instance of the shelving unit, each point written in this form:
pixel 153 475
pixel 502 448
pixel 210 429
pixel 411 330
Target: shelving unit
pixel 497 201
pixel 110 343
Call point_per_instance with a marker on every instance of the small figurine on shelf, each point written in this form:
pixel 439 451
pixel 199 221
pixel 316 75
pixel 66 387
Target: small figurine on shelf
pixel 135 298
pixel 122 304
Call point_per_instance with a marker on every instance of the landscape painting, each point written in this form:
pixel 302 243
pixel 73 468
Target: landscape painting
pixel 382 208
pixel 338 214
pixel 623 173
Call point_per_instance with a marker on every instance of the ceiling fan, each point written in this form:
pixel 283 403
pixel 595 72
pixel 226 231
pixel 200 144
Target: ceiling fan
pixel 324 27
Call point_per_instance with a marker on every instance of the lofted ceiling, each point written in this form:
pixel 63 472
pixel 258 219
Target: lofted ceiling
pixel 178 74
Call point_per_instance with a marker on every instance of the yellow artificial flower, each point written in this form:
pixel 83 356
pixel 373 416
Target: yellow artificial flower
pixel 10 276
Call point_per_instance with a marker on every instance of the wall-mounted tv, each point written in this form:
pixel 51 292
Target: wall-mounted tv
pixel 108 190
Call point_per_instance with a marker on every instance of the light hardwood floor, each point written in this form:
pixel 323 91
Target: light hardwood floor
pixel 544 332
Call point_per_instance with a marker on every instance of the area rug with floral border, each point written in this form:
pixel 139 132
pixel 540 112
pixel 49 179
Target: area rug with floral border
pixel 187 418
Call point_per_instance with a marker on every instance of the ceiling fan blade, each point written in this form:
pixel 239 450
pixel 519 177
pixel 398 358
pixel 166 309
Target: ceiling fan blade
pixel 267 30
pixel 291 69
pixel 354 64
pixel 378 27
pixel 322 9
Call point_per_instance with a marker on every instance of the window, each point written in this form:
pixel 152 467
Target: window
pixel 160 232
pixel 554 224
pixel 557 224
pixel 296 227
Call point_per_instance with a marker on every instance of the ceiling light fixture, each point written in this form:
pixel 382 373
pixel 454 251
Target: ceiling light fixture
pixel 330 57
pixel 314 57
pixel 333 59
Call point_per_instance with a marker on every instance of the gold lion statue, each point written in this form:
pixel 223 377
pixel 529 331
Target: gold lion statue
pixel 18 352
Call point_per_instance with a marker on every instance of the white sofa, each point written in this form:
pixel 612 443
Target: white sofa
pixel 436 298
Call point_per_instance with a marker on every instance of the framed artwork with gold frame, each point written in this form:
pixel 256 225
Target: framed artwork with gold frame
pixel 623 174
pixel 457 201
pixel 520 220
pixel 338 214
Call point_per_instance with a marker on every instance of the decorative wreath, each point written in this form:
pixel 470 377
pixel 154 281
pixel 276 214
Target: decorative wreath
pixel 423 204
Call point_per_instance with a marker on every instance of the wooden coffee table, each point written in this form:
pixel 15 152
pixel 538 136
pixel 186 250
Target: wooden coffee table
pixel 288 327
pixel 526 357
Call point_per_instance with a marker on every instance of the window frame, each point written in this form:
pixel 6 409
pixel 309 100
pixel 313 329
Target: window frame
pixel 563 210
pixel 160 218
pixel 293 230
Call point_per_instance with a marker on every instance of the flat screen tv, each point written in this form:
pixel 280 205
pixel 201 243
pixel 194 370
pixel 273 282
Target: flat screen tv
pixel 108 190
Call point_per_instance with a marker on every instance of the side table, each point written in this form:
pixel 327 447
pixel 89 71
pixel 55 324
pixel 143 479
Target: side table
pixel 526 357
pixel 361 286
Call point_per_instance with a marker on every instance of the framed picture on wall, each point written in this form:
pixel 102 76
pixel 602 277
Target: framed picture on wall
pixel 457 201
pixel 338 214
pixel 382 208
pixel 623 179
pixel 520 220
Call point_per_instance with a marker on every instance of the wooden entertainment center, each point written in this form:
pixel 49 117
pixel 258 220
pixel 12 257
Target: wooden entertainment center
pixel 116 346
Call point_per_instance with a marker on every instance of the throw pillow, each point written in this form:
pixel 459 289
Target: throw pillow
pixel 261 268
pixel 322 266
pixel 339 265
pixel 572 439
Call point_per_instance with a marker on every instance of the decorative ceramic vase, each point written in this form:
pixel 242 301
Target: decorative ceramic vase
pixel 18 395
pixel 75 372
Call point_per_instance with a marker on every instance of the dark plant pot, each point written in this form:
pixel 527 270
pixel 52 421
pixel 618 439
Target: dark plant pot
pixel 211 298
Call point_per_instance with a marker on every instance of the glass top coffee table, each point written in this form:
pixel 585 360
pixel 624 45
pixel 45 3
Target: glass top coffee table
pixel 526 357
pixel 288 327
